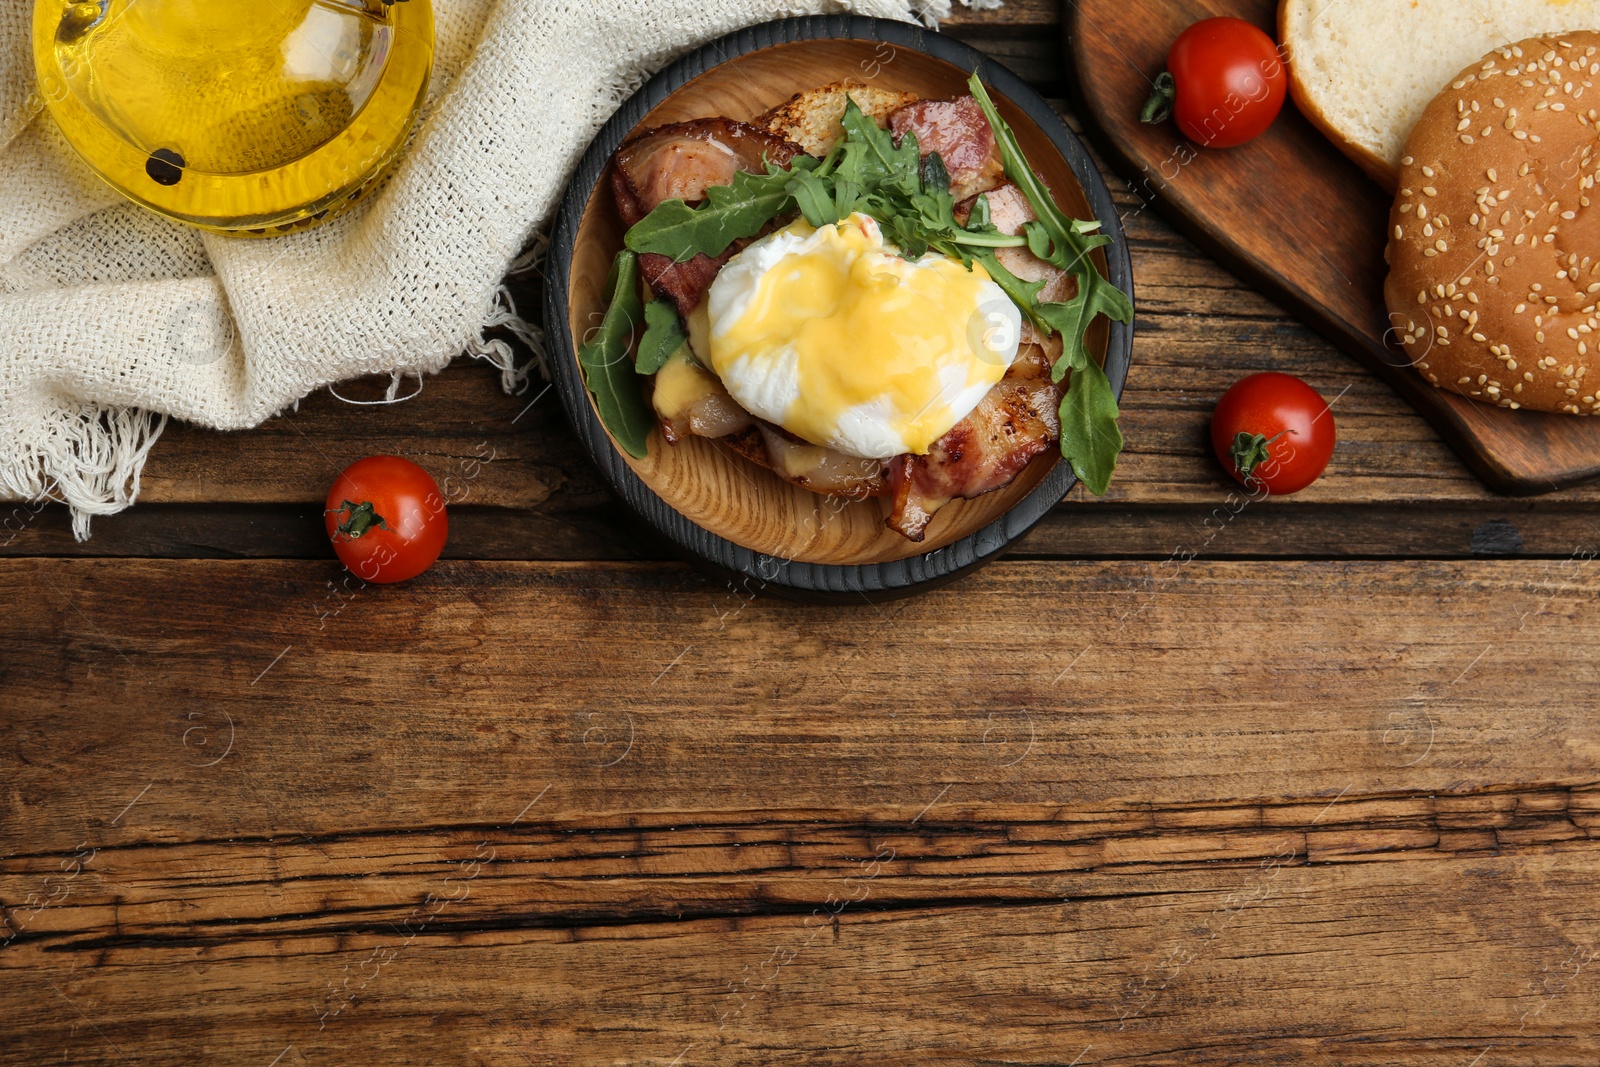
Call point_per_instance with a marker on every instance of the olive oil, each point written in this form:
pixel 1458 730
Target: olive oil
pixel 237 117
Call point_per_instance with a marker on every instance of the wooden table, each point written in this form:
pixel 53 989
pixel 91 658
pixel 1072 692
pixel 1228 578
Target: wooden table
pixel 1182 780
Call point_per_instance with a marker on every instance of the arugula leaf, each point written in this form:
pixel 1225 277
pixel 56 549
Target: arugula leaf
pixel 905 235
pixel 1021 174
pixel 1042 243
pixel 1055 237
pixel 1090 438
pixel 1089 435
pixel 1024 294
pixel 815 197
pixel 980 220
pixel 1072 319
pixel 729 213
pixel 825 196
pixel 874 159
pixel 936 212
pixel 663 335
pixel 847 196
pixel 607 370
pixel 935 176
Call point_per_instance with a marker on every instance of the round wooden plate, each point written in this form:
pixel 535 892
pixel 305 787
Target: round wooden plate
pixel 719 508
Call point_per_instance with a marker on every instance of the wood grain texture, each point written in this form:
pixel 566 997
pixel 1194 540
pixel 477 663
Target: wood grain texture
pixel 1362 838
pixel 493 667
pixel 1299 220
pixel 1221 530
pixel 1477 956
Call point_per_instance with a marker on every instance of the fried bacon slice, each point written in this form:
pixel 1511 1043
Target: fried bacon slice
pixel 680 162
pixel 957 130
pixel 1015 421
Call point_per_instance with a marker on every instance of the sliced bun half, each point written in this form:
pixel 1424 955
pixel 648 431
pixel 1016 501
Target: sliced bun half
pixel 1363 71
pixel 811 119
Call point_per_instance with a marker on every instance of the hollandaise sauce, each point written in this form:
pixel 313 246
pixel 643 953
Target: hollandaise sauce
pixel 252 119
pixel 843 342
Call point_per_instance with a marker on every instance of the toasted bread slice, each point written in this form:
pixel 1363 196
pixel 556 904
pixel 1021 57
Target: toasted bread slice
pixel 1363 71
pixel 811 119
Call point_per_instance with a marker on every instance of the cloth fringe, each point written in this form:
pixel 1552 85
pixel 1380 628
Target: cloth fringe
pixel 90 459
pixel 502 315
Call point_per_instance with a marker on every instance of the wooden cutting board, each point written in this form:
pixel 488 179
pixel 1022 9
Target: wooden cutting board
pixel 1294 217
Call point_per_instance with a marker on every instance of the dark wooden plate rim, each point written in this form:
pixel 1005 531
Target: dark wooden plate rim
pixel 797 578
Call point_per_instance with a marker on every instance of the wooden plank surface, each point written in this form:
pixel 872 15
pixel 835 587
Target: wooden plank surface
pixel 556 811
pixel 1181 782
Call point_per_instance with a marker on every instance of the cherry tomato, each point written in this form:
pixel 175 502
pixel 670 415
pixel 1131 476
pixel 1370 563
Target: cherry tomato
pixel 1275 431
pixel 1229 81
pixel 386 519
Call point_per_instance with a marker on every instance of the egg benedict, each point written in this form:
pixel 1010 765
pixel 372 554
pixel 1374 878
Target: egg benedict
pixel 861 296
pixel 831 334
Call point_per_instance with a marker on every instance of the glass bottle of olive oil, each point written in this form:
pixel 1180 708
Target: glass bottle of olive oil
pixel 238 117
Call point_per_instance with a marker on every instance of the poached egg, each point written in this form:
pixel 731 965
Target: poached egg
pixel 831 334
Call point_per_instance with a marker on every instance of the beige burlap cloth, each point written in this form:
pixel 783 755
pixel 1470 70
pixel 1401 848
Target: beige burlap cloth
pixel 112 319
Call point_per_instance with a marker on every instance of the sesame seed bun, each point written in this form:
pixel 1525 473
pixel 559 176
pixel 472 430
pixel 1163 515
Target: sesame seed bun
pixel 1494 252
